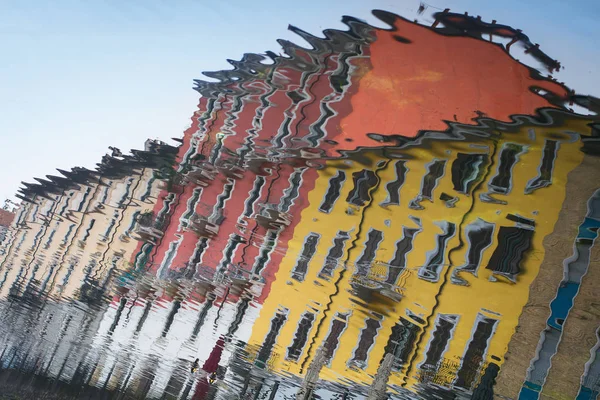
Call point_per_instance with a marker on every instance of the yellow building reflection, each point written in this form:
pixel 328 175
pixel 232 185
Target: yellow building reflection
pixel 424 250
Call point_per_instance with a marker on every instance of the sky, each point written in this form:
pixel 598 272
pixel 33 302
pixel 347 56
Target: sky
pixel 79 76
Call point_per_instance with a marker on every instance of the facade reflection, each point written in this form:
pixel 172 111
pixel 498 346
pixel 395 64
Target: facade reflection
pixel 369 214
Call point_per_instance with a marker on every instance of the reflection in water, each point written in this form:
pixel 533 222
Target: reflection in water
pixel 377 214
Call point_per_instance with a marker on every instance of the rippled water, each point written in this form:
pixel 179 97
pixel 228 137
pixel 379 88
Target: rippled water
pixel 405 212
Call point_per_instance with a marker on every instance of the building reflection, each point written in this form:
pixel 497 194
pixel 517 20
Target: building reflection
pixel 368 212
pixel 425 252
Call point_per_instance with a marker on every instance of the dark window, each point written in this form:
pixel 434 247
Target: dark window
pixel 473 358
pixel 171 317
pixel 282 133
pixel 306 323
pixel 66 237
pixel 333 338
pixel 217 214
pixel 316 129
pixel 512 245
pixel 364 181
pixel 334 255
pixel 111 225
pixel 126 194
pixel 479 237
pixel 435 258
pixel 340 79
pixel 335 186
pixel 242 307
pixel 88 230
pixel 502 181
pixel 146 194
pixel 105 195
pixel 265 252
pixel 191 204
pixel 525 222
pixel 134 220
pixel 403 247
pixel 466 171
pixel 83 199
pixel 363 265
pixel 367 338
pixel 50 237
pixel 546 167
pixel 201 316
pixel 292 191
pixel 393 188
pixel 254 194
pixel 201 245
pixel 434 173
pixel 233 243
pixel 64 208
pixel 401 342
pixel 450 201
pixel 308 251
pixel 441 336
pixel 216 150
pixel 265 351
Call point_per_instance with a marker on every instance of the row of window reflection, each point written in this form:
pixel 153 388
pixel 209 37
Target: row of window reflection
pixel 75 201
pixel 401 342
pixel 467 169
pixel 513 243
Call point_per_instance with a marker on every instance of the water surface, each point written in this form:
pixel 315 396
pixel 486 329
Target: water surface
pixel 404 212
